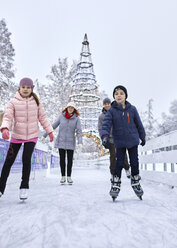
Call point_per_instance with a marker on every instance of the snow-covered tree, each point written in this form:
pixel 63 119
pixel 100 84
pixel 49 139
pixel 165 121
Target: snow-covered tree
pixel 61 78
pixel 55 94
pixel 169 122
pixel 7 54
pixel 150 124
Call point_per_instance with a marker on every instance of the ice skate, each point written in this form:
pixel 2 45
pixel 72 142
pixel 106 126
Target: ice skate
pixel 115 187
pixel 63 180
pixel 128 174
pixel 136 186
pixel 23 194
pixel 69 180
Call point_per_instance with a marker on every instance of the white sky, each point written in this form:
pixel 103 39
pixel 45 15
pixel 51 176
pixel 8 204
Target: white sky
pixel 133 43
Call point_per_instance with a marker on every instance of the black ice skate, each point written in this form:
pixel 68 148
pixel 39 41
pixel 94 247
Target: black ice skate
pixel 136 186
pixel 115 187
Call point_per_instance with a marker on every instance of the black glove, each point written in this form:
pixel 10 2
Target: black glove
pixel 143 142
pixel 105 142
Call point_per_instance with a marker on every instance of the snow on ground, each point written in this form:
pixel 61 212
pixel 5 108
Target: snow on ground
pixel 84 216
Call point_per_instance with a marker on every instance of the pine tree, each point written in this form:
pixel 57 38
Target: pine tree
pixel 7 54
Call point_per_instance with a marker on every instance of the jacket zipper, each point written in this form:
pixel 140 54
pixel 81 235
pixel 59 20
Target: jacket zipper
pixel 128 117
pixel 27 119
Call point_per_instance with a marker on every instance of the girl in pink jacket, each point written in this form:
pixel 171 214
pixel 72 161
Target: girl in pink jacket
pixel 25 111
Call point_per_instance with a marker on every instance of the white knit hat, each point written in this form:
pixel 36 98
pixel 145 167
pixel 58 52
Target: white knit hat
pixel 71 104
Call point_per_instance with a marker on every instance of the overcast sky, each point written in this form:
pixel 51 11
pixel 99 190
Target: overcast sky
pixel 133 43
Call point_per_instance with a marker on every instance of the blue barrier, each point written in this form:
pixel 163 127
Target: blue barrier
pixel 38 160
pixel 54 161
pixel 4 145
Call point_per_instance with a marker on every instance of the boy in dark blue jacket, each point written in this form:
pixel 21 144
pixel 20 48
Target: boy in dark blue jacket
pixel 127 131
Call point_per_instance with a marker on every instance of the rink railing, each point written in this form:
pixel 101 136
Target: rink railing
pixel 40 157
pixel 160 154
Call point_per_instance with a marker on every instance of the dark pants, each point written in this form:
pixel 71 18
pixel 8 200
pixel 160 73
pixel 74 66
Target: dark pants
pixel 62 153
pixel 134 163
pixel 112 152
pixel 10 158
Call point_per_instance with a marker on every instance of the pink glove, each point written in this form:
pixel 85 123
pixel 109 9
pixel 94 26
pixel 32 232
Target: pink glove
pixel 51 137
pixel 5 133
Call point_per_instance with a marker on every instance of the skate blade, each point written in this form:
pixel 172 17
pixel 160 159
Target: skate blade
pixel 63 182
pixel 23 199
pixel 114 198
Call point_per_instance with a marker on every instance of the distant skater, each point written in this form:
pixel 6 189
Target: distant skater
pixel 69 125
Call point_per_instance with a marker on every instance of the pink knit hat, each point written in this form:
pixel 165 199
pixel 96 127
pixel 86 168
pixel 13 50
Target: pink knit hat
pixel 26 82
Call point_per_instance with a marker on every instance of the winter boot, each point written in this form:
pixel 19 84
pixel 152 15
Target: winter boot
pixel 63 179
pixel 115 187
pixel 136 185
pixel 69 180
pixel 128 174
pixel 23 194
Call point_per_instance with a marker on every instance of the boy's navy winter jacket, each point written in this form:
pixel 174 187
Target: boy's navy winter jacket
pixel 127 128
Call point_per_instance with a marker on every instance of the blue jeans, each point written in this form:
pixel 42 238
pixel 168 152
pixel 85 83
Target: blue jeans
pixel 120 157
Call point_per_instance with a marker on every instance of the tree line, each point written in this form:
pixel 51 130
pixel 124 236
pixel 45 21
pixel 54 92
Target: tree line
pixel 55 93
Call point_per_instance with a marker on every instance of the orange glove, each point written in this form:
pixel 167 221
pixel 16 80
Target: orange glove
pixel 5 133
pixel 51 136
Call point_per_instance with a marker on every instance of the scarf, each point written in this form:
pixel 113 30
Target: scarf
pixel 68 116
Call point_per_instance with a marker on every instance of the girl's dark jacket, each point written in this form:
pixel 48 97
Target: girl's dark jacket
pixel 127 128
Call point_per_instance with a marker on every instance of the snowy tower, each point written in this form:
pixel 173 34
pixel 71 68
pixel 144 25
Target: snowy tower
pixel 85 90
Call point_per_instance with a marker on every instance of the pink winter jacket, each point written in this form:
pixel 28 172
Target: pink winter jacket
pixel 26 115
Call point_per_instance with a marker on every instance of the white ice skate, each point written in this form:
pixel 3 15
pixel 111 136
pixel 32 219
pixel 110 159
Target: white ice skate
pixel 23 194
pixel 69 180
pixel 63 180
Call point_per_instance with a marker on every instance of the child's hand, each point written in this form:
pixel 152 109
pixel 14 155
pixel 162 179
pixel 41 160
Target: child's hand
pixel 5 133
pixel 143 142
pixel 105 142
pixel 51 136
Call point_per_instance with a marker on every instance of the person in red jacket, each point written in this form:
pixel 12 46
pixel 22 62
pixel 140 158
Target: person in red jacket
pixel 25 111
